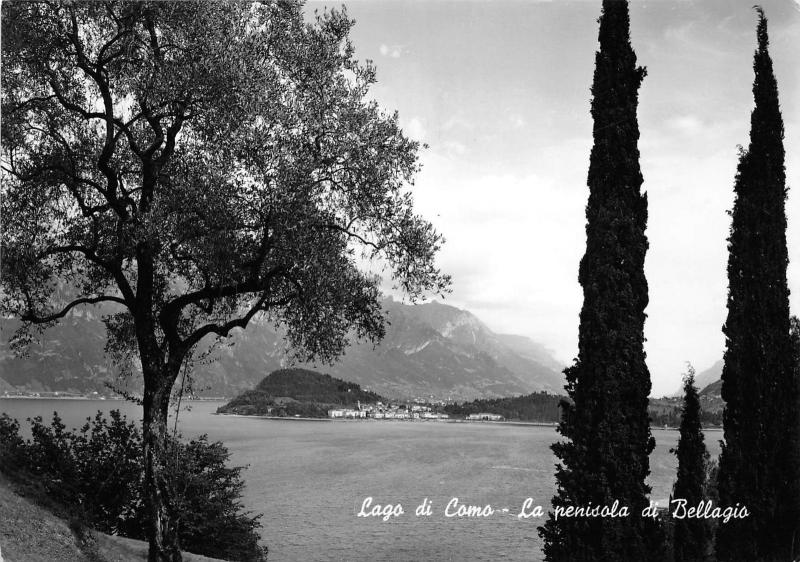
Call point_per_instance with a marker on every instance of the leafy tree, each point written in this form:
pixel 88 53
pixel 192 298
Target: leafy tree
pixel 12 445
pixel 791 462
pixel 692 537
pixel 759 465
pixel 605 457
pixel 196 164
pixel 207 496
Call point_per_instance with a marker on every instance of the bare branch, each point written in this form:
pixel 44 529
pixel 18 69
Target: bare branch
pixel 225 328
pixel 113 267
pixel 95 72
pixel 34 319
pixel 350 234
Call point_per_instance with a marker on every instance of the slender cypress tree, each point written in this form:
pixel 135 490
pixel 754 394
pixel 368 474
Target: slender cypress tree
pixel 759 460
pixel 692 537
pixel 605 457
pixel 790 462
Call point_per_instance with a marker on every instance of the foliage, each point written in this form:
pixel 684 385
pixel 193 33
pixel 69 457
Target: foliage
pixel 605 455
pixel 97 472
pixel 258 403
pixel 305 385
pixel 537 407
pixel 668 412
pixel 207 494
pixel 218 143
pixel 13 445
pixel 692 537
pixel 544 407
pixel 760 459
pixel 195 165
pixel 289 392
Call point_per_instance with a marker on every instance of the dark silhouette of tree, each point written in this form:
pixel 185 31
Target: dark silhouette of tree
pixel 196 164
pixel 791 461
pixel 605 457
pixel 759 461
pixel 692 537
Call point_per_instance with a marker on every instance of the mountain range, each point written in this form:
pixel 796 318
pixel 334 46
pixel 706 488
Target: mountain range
pixel 710 380
pixel 430 350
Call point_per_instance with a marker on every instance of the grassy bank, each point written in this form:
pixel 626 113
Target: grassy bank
pixel 31 533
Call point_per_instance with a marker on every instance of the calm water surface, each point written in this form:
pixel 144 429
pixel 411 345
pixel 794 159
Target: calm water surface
pixel 309 479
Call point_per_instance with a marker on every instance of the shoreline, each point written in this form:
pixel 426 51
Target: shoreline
pixel 103 399
pixel 369 420
pixel 373 420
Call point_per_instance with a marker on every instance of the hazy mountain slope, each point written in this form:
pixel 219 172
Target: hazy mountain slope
pixel 712 390
pixel 710 375
pixel 429 349
pixel 529 349
pixel 704 378
pixel 70 357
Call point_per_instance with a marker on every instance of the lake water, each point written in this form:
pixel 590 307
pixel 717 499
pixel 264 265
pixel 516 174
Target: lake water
pixel 309 479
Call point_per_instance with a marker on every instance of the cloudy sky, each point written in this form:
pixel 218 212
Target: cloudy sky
pixel 499 91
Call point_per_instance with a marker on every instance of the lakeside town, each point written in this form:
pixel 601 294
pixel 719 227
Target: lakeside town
pixel 379 411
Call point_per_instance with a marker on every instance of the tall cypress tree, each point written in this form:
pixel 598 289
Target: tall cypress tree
pixel 692 537
pixel 790 462
pixel 605 457
pixel 759 460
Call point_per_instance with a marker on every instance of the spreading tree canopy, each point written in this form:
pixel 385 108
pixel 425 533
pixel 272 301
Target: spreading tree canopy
pixel 195 164
pixel 759 466
pixel 692 537
pixel 605 455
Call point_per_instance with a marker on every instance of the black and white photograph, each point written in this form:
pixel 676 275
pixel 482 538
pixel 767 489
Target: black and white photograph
pixel 400 280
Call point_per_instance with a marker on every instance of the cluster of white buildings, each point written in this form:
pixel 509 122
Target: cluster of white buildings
pixel 485 417
pixel 380 411
pixel 416 411
pixel 346 413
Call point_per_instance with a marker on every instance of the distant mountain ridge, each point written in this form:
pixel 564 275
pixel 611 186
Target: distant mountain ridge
pixel 429 349
pixel 704 378
pixel 710 376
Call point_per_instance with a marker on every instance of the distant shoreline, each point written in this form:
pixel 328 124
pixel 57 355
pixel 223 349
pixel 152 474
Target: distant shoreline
pixel 58 398
pixel 368 420
pixel 404 420
pixel 105 399
pixel 277 417
pixel 414 420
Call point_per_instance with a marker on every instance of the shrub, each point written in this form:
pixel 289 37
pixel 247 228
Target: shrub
pixel 97 471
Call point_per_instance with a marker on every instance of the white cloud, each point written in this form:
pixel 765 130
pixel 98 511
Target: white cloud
pixel 514 242
pixel 685 124
pixel 454 148
pixel 392 51
pixel 690 37
pixel 457 122
pixel 517 122
pixel 511 201
pixel 415 129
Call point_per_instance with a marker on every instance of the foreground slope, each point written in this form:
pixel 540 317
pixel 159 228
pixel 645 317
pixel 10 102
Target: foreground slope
pixel 30 533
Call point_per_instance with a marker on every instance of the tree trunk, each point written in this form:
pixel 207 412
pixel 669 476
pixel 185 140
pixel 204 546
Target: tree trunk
pixel 162 530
